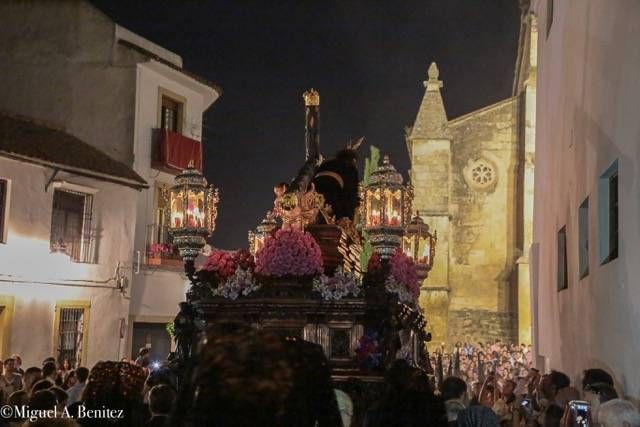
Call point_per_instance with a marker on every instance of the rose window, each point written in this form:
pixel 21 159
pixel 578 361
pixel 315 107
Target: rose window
pixel 482 174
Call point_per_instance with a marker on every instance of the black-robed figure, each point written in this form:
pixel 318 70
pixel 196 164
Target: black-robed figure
pixel 337 180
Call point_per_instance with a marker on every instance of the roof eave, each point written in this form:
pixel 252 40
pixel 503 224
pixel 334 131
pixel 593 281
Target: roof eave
pixel 152 56
pixel 138 185
pixel 209 93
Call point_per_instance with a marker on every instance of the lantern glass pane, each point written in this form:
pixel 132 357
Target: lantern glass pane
pixel 408 246
pixel 394 207
pixel 195 209
pixel 177 208
pixel 424 253
pixel 374 207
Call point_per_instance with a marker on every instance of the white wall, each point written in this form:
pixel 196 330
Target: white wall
pixel 157 292
pixel 27 269
pixel 587 117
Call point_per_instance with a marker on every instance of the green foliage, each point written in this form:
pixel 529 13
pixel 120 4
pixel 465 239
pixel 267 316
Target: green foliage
pixel 371 163
pixel 171 330
pixel 367 251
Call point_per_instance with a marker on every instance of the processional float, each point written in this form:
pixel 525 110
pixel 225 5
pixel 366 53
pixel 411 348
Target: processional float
pixel 338 261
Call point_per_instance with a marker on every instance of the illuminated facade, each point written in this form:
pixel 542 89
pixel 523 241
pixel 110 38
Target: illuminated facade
pixel 65 252
pixel 473 182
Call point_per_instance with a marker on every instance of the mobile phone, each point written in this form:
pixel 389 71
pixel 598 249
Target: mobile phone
pixel 526 406
pixel 580 412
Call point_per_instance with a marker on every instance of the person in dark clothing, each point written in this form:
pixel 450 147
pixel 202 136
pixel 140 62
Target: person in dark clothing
pixel 477 416
pixel 161 399
pixel 247 377
pixel 337 180
pixel 409 400
pixel 116 386
pixel 552 416
pixel 453 388
pixel 453 392
pixel 43 400
pixel 312 396
pixel 595 375
pixel 559 380
pixel 603 391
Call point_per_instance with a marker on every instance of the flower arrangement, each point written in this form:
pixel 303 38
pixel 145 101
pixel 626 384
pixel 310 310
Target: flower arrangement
pixel 161 248
pixel 229 273
pixel 403 278
pixel 244 259
pixel 221 263
pixel 368 352
pixel 289 252
pixel 338 286
pixel 375 263
pixel 376 271
pixel 240 283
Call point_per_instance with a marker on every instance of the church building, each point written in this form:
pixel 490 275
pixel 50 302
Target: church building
pixel 473 180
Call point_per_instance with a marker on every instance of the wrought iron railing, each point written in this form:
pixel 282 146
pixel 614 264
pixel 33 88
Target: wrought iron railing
pixel 72 231
pixel 70 335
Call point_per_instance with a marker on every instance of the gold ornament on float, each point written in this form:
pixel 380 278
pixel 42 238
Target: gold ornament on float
pixel 311 97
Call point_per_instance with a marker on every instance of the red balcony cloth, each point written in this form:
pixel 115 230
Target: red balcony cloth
pixel 176 150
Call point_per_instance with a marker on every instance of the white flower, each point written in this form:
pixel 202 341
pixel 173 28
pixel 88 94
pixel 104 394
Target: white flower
pixel 241 283
pixel 405 353
pixel 398 288
pixel 336 287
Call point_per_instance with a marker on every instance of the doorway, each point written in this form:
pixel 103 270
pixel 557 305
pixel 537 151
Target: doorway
pixel 155 337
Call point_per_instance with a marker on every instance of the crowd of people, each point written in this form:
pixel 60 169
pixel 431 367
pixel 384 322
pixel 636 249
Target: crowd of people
pixel 474 362
pixel 54 394
pixel 548 400
pixel 246 377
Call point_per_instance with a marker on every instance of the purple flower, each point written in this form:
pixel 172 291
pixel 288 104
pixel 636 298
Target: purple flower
pixel 403 279
pixel 289 253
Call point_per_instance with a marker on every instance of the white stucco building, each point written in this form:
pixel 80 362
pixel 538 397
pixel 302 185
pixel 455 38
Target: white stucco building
pixel 67 222
pixel 165 98
pixel 585 262
pixel 69 66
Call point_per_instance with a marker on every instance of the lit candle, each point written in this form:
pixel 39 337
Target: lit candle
pixel 177 219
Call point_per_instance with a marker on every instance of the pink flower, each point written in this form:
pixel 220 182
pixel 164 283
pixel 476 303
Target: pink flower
pixel 225 263
pixel 289 253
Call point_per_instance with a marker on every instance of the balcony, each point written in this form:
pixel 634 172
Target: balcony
pixel 171 152
pixel 160 252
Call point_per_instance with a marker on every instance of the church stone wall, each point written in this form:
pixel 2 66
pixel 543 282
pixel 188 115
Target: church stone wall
pixel 483 238
pixel 466 188
pixel 431 164
pixel 481 325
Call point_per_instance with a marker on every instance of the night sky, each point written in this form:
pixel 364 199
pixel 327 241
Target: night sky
pixel 367 59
